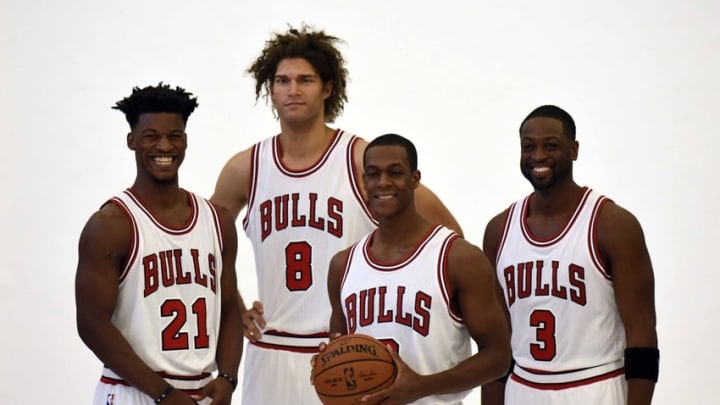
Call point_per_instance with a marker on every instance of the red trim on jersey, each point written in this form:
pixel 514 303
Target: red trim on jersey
pixel 277 157
pixel 593 246
pixel 134 247
pixel 219 230
pixel 444 281
pixel 505 231
pixel 570 384
pixel 252 187
pixel 355 182
pixel 183 229
pixel 553 239
pixel 295 349
pixel 346 266
pixel 273 332
pixel 378 265
pixel 199 377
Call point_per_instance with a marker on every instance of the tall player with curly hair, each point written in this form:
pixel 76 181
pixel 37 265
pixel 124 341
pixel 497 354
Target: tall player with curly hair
pixel 303 199
pixel 155 287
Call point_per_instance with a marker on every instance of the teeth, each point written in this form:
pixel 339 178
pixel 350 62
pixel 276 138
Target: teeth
pixel 384 197
pixel 163 160
pixel 540 169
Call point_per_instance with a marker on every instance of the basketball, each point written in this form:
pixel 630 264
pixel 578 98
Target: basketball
pixel 351 367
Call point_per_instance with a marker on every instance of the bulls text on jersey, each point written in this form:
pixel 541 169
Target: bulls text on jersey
pixel 165 268
pixel 375 305
pixel 526 279
pixel 275 214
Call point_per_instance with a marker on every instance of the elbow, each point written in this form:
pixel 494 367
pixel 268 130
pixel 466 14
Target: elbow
pixel 503 360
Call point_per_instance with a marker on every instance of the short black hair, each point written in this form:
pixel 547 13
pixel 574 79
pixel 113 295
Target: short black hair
pixel 156 99
pixel 552 111
pixel 392 140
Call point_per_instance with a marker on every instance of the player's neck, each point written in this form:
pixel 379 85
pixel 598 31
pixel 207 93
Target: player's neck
pixel 559 199
pixel 300 144
pixel 405 229
pixel 159 195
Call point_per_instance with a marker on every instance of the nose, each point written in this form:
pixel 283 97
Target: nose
pixel 163 143
pixel 294 87
pixel 538 154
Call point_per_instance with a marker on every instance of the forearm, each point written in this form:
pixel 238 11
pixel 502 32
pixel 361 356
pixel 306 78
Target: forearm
pixel 493 393
pixel 230 339
pixel 115 352
pixel 640 391
pixel 485 366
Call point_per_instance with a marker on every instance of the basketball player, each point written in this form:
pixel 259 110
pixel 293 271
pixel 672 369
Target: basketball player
pixel 303 194
pixel 577 283
pixel 419 287
pixel 155 288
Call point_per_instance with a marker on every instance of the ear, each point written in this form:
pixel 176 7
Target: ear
pixel 130 141
pixel 574 148
pixel 416 175
pixel 328 89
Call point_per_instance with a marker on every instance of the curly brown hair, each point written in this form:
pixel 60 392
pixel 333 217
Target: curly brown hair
pixel 319 49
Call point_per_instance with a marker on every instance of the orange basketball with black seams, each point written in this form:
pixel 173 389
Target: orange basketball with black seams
pixel 351 367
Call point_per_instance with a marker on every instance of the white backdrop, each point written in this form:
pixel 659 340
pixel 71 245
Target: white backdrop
pixel 640 78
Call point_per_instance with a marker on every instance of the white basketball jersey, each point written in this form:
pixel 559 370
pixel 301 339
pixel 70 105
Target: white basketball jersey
pixel 297 220
pixel 405 304
pixel 168 304
pixel 560 296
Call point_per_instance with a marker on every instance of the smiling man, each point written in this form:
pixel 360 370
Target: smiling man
pixel 155 287
pixel 576 282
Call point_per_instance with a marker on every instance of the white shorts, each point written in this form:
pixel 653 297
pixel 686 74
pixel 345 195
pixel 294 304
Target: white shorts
pixel 118 394
pixel 611 391
pixel 275 376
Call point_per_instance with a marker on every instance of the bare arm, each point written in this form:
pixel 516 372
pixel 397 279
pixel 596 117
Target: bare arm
pixel 232 192
pixel 230 342
pixel 622 245
pixel 493 392
pixel 103 246
pixel 427 204
pixel 473 283
pixel 338 323
pixel 233 184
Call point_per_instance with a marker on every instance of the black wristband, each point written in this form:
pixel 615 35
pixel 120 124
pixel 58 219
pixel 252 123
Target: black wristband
pixel 164 394
pixel 642 362
pixel 233 381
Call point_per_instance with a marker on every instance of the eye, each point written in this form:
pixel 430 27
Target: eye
pixel 527 147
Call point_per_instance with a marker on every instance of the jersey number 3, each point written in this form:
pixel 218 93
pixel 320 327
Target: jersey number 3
pixel 544 348
pixel 298 266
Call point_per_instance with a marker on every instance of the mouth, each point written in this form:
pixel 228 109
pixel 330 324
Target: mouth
pixel 163 160
pixel 385 196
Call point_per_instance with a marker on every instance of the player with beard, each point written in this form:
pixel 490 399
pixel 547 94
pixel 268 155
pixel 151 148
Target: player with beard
pixel 576 280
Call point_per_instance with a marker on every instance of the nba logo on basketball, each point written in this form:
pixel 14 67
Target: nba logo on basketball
pixel 350 379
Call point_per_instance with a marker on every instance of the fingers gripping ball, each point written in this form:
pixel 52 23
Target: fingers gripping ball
pixel 351 367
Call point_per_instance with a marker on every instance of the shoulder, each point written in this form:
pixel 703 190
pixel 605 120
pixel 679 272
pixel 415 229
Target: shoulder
pixel 494 231
pixel 109 228
pixel 617 229
pixel 463 253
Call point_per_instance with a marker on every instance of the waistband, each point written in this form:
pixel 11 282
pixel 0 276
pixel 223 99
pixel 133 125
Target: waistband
pixel 272 339
pixel 551 380
pixel 189 383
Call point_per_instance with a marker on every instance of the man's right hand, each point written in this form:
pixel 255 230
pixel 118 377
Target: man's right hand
pixel 254 322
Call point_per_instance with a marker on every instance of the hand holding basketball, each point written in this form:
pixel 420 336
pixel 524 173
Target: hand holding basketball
pixel 351 367
pixel 407 388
